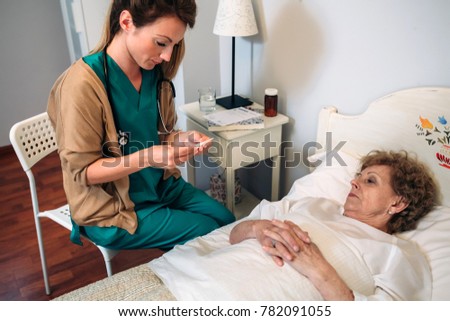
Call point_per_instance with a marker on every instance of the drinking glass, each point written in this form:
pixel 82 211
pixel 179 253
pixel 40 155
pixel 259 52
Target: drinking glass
pixel 207 99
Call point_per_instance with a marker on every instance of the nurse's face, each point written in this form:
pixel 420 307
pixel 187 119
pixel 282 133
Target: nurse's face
pixel 154 43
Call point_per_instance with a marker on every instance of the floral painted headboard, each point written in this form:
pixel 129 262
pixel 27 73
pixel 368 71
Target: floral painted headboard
pixel 414 119
pixel 437 132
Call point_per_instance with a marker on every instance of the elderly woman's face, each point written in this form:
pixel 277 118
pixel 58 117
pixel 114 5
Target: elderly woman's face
pixel 371 196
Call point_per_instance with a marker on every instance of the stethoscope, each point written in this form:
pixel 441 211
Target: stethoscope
pixel 123 137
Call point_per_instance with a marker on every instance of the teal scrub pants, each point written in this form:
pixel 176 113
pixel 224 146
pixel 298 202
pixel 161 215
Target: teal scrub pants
pixel 184 216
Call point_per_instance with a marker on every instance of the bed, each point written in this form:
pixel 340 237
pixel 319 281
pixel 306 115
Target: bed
pixel 414 120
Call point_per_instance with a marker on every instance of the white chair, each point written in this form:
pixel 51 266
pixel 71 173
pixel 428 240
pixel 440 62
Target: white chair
pixel 32 140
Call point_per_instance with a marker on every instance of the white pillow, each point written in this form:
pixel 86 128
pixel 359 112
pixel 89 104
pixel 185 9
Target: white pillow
pixel 332 181
pixel 432 235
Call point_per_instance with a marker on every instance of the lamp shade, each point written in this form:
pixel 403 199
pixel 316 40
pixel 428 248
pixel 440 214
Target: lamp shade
pixel 235 18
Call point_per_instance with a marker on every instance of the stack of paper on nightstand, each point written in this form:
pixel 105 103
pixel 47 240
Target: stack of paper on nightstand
pixel 235 119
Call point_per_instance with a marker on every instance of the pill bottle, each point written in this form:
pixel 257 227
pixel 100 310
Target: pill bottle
pixel 270 102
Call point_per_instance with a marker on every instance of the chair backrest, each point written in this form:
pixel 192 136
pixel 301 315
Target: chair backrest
pixel 33 139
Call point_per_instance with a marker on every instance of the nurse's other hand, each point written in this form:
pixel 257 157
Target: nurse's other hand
pixel 168 156
pixel 193 138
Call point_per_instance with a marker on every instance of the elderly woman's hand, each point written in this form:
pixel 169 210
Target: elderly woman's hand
pixel 284 236
pixel 270 233
pixel 306 258
pixel 251 229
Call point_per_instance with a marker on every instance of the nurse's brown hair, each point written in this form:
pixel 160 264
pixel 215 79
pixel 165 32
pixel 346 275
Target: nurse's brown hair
pixel 146 12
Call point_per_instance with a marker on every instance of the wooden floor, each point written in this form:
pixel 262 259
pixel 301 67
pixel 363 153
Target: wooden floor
pixel 70 266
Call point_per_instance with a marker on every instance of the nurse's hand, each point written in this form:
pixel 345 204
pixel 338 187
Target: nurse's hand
pixel 161 156
pixel 192 138
pixel 167 156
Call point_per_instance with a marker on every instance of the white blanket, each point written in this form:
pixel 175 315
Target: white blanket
pixel 209 268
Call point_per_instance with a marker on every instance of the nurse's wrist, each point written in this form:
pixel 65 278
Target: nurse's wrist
pixel 170 138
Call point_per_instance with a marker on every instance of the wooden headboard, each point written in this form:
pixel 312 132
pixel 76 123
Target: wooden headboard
pixel 416 120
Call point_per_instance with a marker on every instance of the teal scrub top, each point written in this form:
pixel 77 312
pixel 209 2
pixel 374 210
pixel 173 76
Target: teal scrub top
pixel 136 114
pixel 182 211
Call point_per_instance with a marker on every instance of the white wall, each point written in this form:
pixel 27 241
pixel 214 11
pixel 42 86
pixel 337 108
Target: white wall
pixel 316 52
pixel 200 69
pixel 201 63
pixel 33 52
pixel 344 53
pixel 83 22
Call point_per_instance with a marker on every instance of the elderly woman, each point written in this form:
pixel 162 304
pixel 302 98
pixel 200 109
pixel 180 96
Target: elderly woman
pixel 323 250
pixel 391 193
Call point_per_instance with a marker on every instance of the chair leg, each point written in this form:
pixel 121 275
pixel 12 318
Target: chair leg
pixel 43 258
pixel 108 254
pixel 108 268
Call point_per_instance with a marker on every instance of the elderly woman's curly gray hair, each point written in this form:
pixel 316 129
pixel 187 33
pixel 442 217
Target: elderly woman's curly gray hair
pixel 411 180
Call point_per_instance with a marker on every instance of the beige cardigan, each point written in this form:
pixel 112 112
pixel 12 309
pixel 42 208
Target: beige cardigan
pixel 80 112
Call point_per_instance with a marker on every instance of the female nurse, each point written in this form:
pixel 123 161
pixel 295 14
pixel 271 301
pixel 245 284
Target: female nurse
pixel 113 113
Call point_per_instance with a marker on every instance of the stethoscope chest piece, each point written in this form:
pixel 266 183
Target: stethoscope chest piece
pixel 123 138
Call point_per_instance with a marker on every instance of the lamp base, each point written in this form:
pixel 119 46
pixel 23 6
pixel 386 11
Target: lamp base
pixel 235 101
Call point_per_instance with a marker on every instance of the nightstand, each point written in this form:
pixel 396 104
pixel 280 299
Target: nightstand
pixel 235 149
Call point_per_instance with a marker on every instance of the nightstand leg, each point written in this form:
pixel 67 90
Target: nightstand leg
pixel 190 171
pixel 276 178
pixel 230 189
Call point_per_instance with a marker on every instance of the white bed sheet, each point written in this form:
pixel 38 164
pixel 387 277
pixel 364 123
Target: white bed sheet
pixel 328 181
pixel 372 263
pixel 391 122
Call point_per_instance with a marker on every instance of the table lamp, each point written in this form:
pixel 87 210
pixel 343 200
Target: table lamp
pixel 234 18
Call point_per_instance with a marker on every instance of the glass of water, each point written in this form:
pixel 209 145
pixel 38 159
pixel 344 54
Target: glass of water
pixel 207 99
